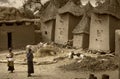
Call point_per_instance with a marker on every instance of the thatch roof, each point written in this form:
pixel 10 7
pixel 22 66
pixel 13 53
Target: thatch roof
pixel 83 25
pixel 88 8
pixel 71 7
pixel 9 13
pixel 110 7
pixel 20 20
pixel 49 13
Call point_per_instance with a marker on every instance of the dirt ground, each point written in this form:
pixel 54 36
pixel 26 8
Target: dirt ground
pixel 47 71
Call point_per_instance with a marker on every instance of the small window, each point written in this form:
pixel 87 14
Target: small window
pixel 96 39
pixel 46 32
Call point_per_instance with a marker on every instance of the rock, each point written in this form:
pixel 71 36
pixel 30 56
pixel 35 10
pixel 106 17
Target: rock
pixel 92 76
pixel 105 76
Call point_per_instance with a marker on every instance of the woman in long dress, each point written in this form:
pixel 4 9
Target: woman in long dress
pixel 10 61
pixel 30 62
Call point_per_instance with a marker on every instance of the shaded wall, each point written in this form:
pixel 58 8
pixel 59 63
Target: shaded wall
pixel 114 25
pixel 73 21
pixel 99 32
pixel 21 36
pixel 38 37
pixel 117 42
pixel 85 41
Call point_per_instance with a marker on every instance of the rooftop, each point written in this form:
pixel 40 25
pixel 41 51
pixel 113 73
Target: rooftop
pixel 71 7
pixel 83 25
pixel 110 7
pixel 49 13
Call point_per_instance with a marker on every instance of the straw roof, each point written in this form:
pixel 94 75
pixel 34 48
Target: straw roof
pixel 9 13
pixel 72 8
pixel 83 25
pixel 110 7
pixel 88 8
pixel 49 13
pixel 21 20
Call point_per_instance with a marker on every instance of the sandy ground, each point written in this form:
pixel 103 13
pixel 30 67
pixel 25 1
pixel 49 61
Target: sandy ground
pixel 50 71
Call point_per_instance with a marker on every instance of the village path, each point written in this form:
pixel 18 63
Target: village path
pixel 50 71
pixel 47 72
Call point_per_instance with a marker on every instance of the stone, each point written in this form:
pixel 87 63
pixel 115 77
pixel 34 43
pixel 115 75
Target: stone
pixel 105 76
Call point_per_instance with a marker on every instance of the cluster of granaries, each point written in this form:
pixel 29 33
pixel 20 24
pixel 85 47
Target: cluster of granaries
pixel 87 26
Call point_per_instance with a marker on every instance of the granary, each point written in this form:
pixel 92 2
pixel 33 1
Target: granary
pixel 48 17
pixel 69 16
pixel 16 33
pixel 81 31
pixel 104 21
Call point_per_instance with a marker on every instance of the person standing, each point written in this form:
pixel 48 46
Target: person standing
pixel 10 62
pixel 30 62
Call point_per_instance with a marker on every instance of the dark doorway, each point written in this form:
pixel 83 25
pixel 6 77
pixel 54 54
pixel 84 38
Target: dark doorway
pixel 9 39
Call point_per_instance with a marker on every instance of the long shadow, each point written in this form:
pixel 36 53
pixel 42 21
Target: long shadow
pixel 36 76
pixel 44 76
pixel 20 72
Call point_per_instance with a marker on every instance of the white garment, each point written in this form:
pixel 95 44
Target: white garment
pixel 10 59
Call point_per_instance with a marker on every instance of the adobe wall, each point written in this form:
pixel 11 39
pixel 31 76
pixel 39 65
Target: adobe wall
pixel 99 32
pixel 114 25
pixel 61 30
pixel 38 37
pixel 21 36
pixel 81 41
pixel 47 30
pixel 78 41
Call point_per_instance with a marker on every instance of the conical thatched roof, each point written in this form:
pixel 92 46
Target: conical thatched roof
pixel 9 13
pixel 83 25
pixel 72 8
pixel 49 13
pixel 88 8
pixel 110 7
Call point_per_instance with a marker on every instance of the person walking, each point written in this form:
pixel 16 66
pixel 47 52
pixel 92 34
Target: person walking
pixel 30 62
pixel 10 59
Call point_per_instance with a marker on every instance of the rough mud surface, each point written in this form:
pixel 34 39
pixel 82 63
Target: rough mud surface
pixel 93 64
